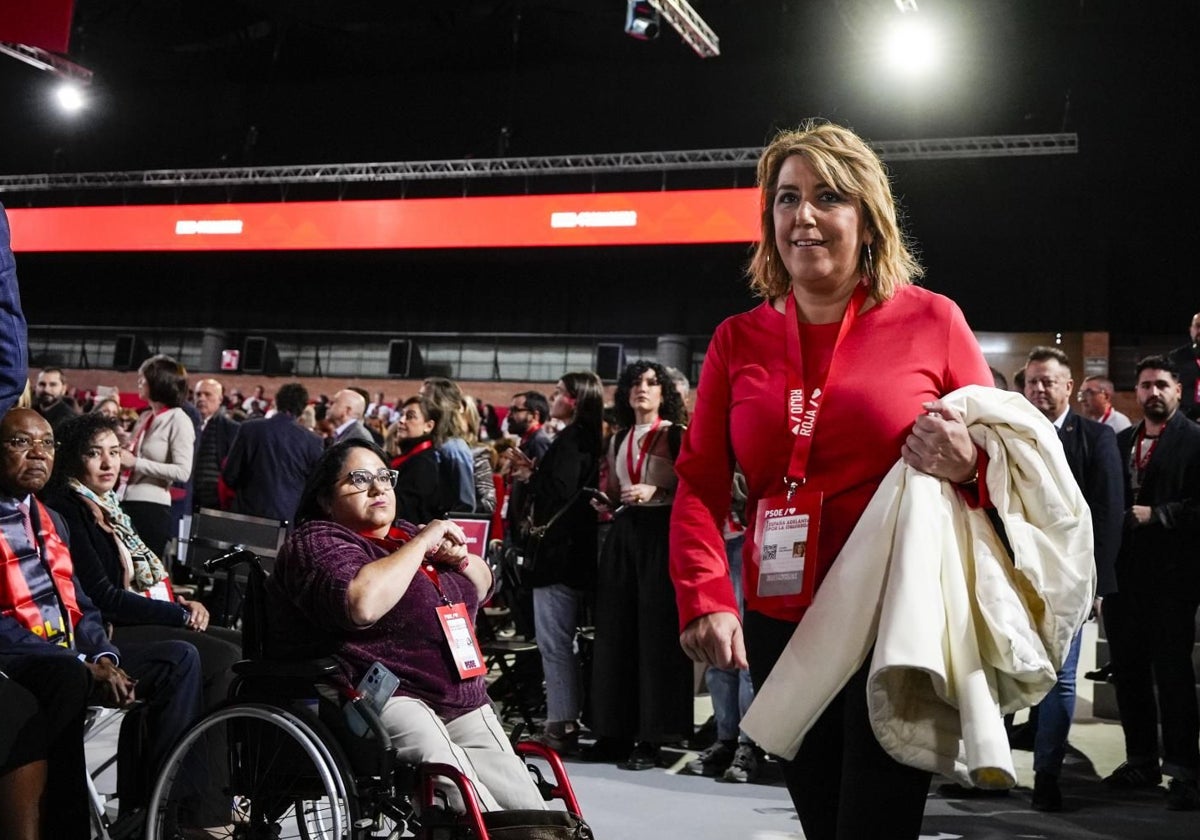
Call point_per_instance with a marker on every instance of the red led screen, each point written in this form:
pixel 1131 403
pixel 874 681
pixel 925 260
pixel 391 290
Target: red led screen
pixel 657 218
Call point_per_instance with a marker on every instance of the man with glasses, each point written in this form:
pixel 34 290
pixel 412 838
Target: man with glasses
pixel 1091 450
pixel 1095 401
pixel 50 629
pixel 271 458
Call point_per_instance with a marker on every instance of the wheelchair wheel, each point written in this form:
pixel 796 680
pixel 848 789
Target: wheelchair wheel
pixel 266 771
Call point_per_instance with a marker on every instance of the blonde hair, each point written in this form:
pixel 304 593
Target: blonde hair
pixel 844 161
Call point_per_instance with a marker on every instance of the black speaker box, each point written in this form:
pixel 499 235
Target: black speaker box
pixel 130 352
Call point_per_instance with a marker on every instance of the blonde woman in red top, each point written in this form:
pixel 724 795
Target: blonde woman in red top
pixel 816 393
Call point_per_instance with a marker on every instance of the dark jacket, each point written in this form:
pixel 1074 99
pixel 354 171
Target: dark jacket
pixel 98 568
pixel 568 552
pixel 90 638
pixel 14 360
pixel 212 448
pixel 1091 450
pixel 1163 553
pixel 419 495
pixel 268 465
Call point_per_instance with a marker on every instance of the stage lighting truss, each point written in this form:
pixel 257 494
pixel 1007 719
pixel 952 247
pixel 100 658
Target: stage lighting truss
pixel 43 60
pixel 643 18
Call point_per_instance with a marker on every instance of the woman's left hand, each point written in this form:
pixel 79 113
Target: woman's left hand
pixel 199 614
pixel 637 494
pixel 940 445
pixel 128 459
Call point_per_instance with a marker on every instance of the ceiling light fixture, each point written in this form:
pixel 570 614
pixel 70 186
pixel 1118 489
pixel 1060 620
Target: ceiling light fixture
pixel 641 20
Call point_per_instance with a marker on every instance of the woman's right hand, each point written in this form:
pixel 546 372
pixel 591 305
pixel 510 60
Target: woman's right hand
pixel 715 639
pixel 444 542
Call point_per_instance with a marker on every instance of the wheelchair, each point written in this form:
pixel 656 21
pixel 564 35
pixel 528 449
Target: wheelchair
pixel 297 758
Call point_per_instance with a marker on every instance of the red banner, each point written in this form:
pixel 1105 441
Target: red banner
pixel 37 23
pixel 657 218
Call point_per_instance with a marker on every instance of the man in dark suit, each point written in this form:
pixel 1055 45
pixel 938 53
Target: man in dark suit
pixel 49 628
pixel 1091 450
pixel 272 457
pixel 1186 359
pixel 217 433
pixel 345 415
pixel 1152 625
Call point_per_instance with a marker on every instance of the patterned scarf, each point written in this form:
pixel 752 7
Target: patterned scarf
pixel 147 568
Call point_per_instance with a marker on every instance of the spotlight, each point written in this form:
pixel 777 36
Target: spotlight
pixel 641 20
pixel 70 97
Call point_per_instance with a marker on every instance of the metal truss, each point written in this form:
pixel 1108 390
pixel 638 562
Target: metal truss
pixel 1012 145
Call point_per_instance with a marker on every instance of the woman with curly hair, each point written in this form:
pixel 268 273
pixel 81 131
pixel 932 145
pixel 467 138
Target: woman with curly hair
pixel 642 679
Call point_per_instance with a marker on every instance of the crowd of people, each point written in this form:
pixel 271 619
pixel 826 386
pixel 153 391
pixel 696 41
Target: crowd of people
pixel 678 536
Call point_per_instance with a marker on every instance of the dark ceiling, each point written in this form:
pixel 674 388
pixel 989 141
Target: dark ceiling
pixel 1087 241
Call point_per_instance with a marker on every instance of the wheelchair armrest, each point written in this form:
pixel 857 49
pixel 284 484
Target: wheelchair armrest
pixel 312 670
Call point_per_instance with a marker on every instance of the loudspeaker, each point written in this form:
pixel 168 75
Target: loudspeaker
pixel 610 361
pixel 260 355
pixel 404 359
pixel 129 352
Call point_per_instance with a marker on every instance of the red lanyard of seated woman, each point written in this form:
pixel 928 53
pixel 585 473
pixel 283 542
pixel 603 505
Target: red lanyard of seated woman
pixel 396 539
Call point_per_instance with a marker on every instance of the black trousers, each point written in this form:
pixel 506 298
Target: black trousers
pixel 843 784
pixel 154 523
pixel 60 685
pixel 1151 632
pixel 641 679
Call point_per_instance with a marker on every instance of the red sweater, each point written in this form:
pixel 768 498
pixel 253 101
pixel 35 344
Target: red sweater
pixel 899 354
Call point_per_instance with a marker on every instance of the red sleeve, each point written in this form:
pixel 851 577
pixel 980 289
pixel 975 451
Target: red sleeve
pixel 699 567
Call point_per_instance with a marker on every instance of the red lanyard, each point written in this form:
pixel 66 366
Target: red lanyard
pixel 1140 460
pixel 142 429
pixel 802 408
pixel 635 472
pixel 1107 414
pixel 399 460
pixel 530 432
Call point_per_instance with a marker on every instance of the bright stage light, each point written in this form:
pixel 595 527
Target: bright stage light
pixel 70 97
pixel 912 47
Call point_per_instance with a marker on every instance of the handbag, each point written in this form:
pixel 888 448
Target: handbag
pixel 522 555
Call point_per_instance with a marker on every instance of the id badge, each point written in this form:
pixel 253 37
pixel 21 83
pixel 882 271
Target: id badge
pixel 460 635
pixel 785 531
pixel 161 591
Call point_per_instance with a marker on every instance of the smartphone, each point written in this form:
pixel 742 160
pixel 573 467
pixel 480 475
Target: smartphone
pixel 376 686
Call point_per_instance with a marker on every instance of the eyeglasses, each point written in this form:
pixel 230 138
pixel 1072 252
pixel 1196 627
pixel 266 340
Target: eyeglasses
pixel 1088 392
pixel 362 478
pixel 513 409
pixel 24 444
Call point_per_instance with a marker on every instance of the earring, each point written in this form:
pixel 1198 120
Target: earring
pixel 870 269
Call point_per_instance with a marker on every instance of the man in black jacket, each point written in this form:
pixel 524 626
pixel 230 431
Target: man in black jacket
pixel 1091 450
pixel 1152 625
pixel 217 433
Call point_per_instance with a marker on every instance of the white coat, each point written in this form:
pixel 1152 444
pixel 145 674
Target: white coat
pixel 961 633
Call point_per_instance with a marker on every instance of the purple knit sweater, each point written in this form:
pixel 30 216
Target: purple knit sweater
pixel 309 614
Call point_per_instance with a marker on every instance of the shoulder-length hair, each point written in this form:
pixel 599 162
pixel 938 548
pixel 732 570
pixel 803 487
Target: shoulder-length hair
pixel 844 161
pixel 166 380
pixel 672 408
pixel 74 438
pixel 318 489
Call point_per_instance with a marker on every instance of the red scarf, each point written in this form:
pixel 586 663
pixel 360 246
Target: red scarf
pixel 16 599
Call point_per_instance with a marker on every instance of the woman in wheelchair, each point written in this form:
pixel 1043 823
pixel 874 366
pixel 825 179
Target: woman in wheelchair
pixel 352 583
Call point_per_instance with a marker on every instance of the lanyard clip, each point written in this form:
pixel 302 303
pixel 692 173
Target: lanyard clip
pixel 792 486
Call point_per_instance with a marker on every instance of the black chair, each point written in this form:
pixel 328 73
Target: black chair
pixel 215 533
